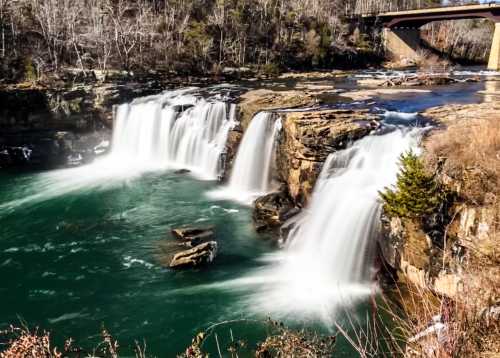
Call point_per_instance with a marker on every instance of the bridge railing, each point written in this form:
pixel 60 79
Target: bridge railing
pixel 364 9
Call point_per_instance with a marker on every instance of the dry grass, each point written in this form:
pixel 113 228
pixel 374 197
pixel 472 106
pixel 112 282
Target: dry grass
pixel 412 321
pixel 21 342
pixel 469 151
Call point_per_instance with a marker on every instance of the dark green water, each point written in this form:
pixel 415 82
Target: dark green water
pixel 75 262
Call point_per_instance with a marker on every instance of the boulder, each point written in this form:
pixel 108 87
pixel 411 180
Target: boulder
pixel 197 256
pixel 272 210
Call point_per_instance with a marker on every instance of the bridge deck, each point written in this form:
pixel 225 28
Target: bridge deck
pixel 438 10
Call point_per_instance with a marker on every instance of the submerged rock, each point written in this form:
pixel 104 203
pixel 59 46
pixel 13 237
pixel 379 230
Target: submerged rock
pixel 198 255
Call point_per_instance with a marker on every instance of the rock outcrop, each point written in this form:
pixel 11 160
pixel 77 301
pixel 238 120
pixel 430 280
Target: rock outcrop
pixel 193 247
pixel 309 137
pixel 61 126
pixel 199 255
pixel 255 101
pixel 267 100
pixel 273 210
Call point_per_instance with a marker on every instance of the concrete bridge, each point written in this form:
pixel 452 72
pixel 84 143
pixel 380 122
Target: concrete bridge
pixel 402 28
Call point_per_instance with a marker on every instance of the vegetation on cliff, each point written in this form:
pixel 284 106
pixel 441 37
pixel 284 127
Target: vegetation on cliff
pixel 416 193
pixel 448 263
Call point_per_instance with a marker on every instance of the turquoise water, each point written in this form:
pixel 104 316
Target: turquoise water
pixel 75 262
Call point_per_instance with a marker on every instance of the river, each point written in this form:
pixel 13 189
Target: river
pixel 79 254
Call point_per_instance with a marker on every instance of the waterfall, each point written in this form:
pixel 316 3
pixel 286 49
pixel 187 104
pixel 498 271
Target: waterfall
pixel 326 262
pixel 173 130
pixel 251 175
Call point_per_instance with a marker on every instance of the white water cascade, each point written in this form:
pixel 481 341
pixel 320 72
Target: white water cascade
pixel 174 129
pixel 251 175
pixel 324 266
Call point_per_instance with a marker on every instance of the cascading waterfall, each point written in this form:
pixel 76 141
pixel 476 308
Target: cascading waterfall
pixel 325 263
pixel 173 130
pixel 252 171
pixel 178 130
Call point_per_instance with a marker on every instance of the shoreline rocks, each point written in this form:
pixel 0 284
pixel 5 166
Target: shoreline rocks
pixel 61 126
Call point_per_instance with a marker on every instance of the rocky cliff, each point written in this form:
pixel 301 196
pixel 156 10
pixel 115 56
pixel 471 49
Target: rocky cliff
pixel 308 137
pixel 449 250
pixel 444 263
pixel 306 140
pixel 62 125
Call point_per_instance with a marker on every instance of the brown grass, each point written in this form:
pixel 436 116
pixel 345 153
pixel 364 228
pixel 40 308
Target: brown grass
pixel 469 151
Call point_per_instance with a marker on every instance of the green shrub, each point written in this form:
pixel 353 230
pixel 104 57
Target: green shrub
pixel 416 192
pixel 270 69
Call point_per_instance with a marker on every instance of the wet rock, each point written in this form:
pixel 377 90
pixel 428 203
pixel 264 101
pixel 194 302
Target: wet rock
pixel 182 107
pixel 233 140
pixel 182 171
pixel 194 246
pixel 199 255
pixel 271 211
pixel 193 236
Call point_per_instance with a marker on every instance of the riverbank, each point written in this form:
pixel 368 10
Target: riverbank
pixel 446 259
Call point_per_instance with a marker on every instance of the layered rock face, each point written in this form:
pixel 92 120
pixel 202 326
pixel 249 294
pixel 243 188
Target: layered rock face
pixel 61 126
pixel 267 100
pixel 309 137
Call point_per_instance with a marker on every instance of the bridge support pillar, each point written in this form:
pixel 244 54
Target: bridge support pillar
pixel 402 43
pixel 494 62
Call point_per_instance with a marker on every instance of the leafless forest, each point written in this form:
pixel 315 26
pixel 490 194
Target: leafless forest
pixel 195 36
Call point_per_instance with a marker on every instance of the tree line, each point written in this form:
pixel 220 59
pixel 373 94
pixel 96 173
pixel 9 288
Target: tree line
pixel 192 36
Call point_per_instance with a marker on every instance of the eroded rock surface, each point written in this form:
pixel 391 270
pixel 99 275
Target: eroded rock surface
pixel 193 247
pixel 193 236
pixel 265 100
pixel 309 137
pixel 199 255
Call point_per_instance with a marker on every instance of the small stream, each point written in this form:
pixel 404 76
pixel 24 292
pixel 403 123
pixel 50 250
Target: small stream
pixel 79 248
